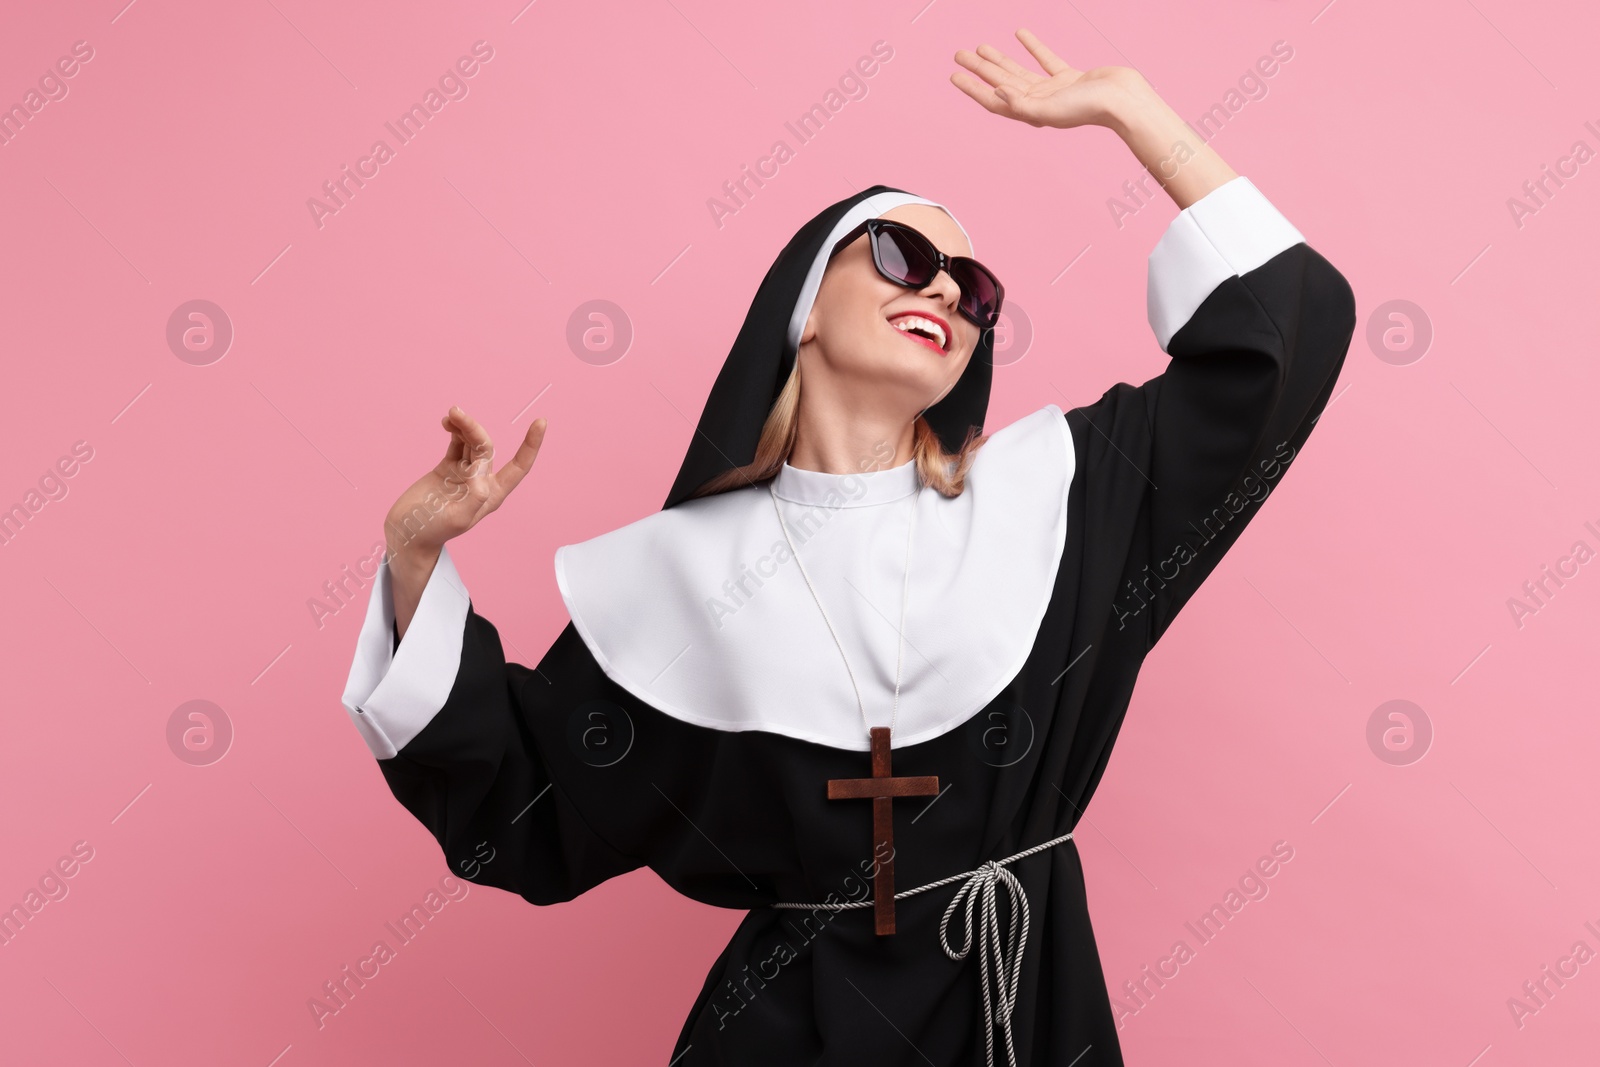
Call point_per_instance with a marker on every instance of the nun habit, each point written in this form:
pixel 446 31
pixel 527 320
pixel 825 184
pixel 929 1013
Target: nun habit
pixel 690 715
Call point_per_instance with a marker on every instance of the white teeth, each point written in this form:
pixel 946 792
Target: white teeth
pixel 909 322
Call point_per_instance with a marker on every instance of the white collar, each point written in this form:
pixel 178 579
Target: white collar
pixel 857 490
pixel 699 611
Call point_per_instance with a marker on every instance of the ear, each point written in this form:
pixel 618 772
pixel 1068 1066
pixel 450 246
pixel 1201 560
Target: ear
pixel 809 331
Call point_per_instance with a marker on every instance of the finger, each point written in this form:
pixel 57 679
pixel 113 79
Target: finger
pixel 478 445
pixel 993 73
pixel 1051 62
pixel 517 467
pixel 993 54
pixel 452 448
pixel 983 94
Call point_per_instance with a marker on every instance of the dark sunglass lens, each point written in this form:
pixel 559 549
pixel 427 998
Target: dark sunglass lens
pixel 979 295
pixel 905 255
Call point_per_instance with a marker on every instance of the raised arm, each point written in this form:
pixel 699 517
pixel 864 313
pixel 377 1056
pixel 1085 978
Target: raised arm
pixel 1257 324
pixel 443 712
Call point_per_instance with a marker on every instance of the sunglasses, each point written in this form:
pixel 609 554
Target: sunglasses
pixel 904 256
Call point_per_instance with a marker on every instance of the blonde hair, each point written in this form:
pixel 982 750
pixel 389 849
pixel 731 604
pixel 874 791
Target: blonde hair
pixel 944 471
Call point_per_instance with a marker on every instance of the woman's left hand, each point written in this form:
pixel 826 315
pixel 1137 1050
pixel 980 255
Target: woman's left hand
pixel 1063 97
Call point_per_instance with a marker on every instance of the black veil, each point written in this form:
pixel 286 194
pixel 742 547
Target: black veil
pixel 763 353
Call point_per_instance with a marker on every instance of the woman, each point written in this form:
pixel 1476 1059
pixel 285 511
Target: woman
pixel 852 595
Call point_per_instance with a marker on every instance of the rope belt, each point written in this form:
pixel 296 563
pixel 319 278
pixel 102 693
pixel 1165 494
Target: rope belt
pixel 998 963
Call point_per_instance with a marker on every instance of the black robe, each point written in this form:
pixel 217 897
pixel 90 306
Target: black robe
pixel 740 819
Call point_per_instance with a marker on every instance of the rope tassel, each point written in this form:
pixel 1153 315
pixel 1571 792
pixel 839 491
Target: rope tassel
pixel 981 891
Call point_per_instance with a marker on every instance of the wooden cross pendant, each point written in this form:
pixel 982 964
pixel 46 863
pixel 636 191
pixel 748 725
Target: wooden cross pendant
pixel 882 787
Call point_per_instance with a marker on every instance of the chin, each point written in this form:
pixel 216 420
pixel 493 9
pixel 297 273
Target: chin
pixel 893 368
pixel 909 380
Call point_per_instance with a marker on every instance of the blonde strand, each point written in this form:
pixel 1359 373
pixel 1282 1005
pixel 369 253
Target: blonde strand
pixel 945 472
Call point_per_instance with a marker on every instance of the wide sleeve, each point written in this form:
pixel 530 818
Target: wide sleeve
pixel 1257 325
pixel 443 715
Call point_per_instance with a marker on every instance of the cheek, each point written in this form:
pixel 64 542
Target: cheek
pixel 967 340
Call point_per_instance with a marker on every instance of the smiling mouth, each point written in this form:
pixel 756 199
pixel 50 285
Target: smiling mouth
pixel 921 330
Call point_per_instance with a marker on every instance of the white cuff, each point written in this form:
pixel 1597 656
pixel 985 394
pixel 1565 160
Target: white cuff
pixel 390 697
pixel 1231 230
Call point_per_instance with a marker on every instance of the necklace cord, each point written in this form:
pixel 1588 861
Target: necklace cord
pixel 999 961
pixel 905 593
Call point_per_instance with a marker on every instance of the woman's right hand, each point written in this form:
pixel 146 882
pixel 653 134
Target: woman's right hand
pixel 448 501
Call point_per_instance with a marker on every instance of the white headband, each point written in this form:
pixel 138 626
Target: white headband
pixel 870 208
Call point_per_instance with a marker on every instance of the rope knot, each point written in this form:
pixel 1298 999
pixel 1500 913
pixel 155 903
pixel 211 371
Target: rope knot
pixel 999 962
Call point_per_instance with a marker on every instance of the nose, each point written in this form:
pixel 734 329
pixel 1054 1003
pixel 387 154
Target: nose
pixel 944 289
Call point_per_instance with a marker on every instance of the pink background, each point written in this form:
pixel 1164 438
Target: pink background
pixel 219 498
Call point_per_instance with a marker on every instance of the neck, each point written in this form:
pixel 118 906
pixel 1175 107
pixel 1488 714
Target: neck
pixel 839 439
